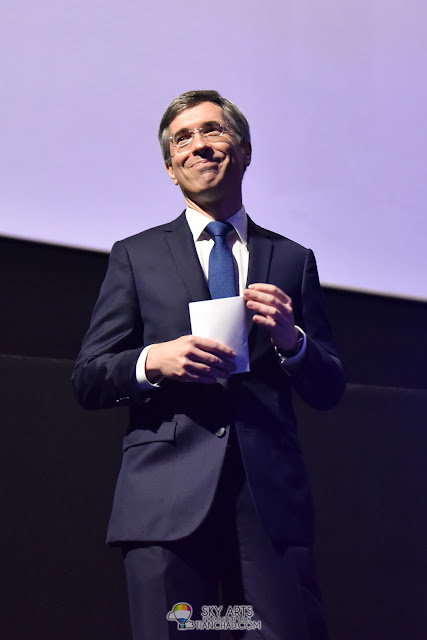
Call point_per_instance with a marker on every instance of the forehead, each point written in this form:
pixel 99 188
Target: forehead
pixel 196 116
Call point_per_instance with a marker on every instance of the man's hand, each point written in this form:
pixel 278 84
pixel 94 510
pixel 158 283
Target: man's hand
pixel 273 309
pixel 189 359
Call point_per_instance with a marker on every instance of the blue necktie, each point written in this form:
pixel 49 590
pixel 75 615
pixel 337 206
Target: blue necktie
pixel 222 283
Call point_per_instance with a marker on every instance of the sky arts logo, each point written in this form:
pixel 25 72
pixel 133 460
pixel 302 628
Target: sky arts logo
pixel 235 617
pixel 181 614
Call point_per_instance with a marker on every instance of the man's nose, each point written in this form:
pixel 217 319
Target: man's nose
pixel 199 141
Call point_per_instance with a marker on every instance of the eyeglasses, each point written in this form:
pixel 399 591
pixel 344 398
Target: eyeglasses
pixel 210 131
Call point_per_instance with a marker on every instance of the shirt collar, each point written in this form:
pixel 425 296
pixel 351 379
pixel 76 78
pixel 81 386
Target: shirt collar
pixel 198 221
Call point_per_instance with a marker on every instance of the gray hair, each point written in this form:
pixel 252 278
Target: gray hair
pixel 190 99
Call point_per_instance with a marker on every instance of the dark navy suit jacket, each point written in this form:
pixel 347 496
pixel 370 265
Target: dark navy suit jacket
pixel 172 456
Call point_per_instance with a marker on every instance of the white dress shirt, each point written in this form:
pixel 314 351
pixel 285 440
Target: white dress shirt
pixel 237 240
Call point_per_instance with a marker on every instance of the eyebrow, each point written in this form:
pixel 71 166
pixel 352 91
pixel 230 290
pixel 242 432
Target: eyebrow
pixel 182 130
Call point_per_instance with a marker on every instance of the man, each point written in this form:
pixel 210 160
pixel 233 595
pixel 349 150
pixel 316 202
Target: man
pixel 212 494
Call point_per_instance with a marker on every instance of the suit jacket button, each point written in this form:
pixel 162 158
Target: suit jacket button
pixel 220 432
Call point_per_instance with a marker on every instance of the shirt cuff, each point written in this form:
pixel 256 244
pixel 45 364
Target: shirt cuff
pixel 141 376
pixel 290 364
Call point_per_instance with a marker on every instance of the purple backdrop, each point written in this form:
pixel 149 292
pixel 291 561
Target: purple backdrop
pixel 335 93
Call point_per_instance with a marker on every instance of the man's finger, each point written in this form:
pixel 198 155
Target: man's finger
pixel 271 289
pixel 210 360
pixel 213 347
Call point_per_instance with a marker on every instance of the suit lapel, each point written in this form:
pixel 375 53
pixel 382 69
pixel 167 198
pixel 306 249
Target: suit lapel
pixel 260 254
pixel 181 244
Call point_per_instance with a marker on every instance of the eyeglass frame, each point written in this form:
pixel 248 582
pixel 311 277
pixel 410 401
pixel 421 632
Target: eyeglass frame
pixel 225 126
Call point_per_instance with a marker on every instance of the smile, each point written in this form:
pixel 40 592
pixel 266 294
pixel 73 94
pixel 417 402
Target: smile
pixel 204 163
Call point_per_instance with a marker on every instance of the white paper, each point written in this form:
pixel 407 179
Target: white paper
pixel 224 320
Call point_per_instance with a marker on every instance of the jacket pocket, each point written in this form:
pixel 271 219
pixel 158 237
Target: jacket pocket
pixel 164 433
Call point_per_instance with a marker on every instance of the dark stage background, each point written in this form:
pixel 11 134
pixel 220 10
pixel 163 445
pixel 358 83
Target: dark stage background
pixel 367 460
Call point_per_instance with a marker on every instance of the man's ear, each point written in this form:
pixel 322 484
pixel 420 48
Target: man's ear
pixel 247 155
pixel 247 148
pixel 171 172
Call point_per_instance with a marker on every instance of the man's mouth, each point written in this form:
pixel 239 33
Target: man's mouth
pixel 204 163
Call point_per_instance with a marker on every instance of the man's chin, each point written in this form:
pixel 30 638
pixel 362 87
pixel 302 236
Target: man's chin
pixel 208 181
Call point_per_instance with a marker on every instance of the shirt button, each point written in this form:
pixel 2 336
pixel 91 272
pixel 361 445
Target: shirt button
pixel 220 432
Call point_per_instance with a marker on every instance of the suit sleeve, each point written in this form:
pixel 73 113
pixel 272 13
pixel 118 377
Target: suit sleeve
pixel 104 373
pixel 320 379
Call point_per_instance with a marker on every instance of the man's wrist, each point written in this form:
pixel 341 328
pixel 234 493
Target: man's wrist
pixel 291 363
pixel 141 372
pixel 291 353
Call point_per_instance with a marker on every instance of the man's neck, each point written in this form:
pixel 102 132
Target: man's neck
pixel 221 210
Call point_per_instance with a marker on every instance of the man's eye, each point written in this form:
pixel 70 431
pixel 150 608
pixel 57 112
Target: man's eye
pixel 212 129
pixel 183 136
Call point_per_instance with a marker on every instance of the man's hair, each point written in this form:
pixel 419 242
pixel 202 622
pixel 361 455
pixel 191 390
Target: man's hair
pixel 189 99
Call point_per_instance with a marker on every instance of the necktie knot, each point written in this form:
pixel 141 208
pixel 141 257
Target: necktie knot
pixel 218 228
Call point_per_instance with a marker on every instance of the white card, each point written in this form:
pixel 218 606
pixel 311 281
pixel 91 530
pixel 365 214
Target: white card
pixel 224 320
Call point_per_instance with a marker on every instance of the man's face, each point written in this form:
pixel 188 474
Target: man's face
pixel 207 171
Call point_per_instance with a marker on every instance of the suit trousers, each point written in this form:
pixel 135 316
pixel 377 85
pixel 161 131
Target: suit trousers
pixel 229 560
